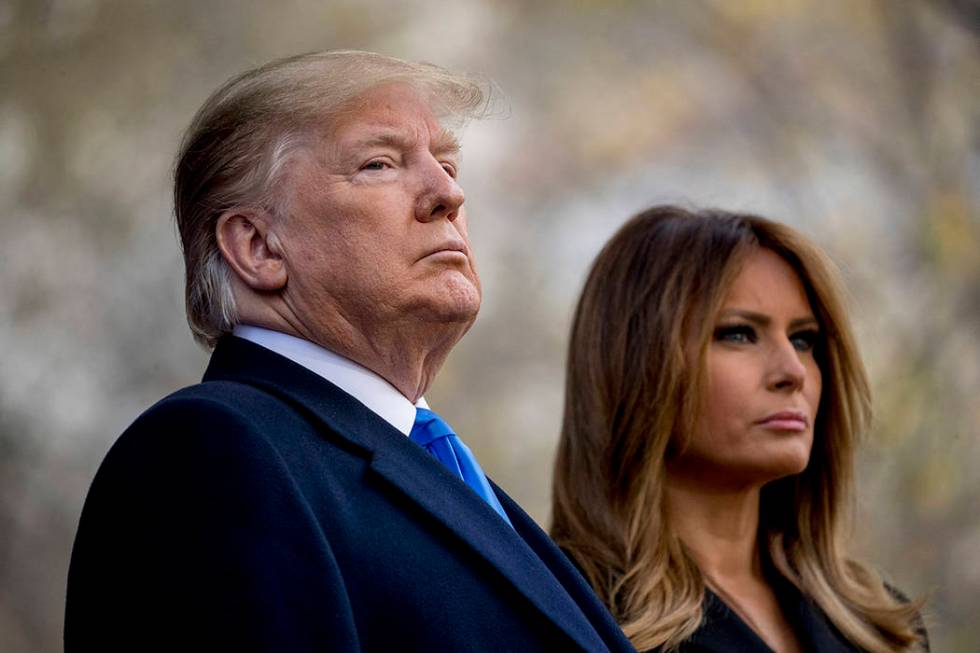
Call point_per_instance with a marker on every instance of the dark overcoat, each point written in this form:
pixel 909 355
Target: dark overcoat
pixel 265 509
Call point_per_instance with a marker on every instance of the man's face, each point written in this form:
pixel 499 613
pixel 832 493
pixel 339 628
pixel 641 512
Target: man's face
pixel 375 235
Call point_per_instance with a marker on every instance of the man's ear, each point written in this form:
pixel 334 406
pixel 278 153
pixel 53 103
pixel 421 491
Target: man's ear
pixel 250 249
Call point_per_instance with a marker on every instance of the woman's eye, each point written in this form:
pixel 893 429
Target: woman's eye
pixel 737 334
pixel 805 340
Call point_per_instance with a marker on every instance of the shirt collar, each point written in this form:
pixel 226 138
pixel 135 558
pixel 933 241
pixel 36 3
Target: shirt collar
pixel 356 380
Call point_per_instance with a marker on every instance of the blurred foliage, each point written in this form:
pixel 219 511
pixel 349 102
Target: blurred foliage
pixel 858 122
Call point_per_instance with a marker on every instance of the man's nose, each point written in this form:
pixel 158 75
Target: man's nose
pixel 440 196
pixel 786 371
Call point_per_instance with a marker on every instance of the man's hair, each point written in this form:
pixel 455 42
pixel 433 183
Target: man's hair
pixel 635 384
pixel 238 147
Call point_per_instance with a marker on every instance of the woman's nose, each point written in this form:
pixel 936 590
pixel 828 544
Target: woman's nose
pixel 786 371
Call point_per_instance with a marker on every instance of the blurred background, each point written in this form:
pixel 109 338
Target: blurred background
pixel 858 121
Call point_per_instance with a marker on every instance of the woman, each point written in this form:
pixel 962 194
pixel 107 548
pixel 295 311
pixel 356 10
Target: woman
pixel 714 401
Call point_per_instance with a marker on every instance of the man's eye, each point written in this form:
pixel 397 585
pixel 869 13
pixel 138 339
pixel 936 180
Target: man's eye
pixel 374 165
pixel 805 340
pixel 737 334
pixel 450 169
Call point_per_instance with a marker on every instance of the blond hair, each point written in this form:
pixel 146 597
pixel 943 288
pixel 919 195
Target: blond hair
pixel 238 147
pixel 632 392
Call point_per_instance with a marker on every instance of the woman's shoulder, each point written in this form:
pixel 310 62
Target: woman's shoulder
pixel 722 629
pixel 919 623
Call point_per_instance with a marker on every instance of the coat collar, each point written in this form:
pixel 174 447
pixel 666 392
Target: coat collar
pixel 411 471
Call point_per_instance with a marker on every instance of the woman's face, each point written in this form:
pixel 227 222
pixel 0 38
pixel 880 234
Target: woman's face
pixel 763 382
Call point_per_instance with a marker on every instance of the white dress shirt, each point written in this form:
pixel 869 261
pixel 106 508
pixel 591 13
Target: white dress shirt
pixel 361 383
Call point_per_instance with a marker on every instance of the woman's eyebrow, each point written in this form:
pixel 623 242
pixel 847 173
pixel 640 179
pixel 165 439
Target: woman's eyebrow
pixel 764 320
pixel 750 316
pixel 804 321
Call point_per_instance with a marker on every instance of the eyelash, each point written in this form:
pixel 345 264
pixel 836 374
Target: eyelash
pixel 735 334
pixel 746 334
pixel 810 338
pixel 448 167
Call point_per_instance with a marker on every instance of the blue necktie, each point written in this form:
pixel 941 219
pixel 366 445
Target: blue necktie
pixel 437 437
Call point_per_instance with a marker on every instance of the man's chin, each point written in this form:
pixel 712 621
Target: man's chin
pixel 457 302
pixel 460 307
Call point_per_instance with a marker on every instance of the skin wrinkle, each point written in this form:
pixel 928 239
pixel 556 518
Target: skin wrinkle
pixel 332 148
pixel 359 276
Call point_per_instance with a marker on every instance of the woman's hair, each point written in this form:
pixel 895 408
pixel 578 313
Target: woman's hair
pixel 636 375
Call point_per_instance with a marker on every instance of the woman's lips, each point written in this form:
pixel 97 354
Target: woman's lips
pixel 788 420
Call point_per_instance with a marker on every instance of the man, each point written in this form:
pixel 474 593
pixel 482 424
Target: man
pixel 285 503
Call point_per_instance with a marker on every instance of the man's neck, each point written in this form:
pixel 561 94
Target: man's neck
pixel 351 377
pixel 407 355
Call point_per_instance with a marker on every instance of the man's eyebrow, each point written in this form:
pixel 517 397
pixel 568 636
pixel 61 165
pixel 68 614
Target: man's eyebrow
pixel 386 139
pixel 764 320
pixel 444 142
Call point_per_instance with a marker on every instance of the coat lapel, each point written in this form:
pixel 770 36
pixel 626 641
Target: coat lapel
pixel 470 519
pixel 567 574
pixel 411 471
pixel 814 630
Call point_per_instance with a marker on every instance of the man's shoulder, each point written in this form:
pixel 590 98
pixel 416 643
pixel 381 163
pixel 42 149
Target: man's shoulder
pixel 217 395
pixel 211 414
pixel 214 399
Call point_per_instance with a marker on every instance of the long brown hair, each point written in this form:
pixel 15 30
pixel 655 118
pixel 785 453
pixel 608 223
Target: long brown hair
pixel 633 386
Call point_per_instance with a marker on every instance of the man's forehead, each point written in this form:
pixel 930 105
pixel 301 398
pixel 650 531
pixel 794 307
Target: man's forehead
pixel 393 113
pixel 400 132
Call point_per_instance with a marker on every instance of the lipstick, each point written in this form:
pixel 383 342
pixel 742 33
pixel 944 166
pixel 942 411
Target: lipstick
pixel 786 420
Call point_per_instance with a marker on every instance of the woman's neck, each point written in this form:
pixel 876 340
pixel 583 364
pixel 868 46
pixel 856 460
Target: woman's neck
pixel 719 527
